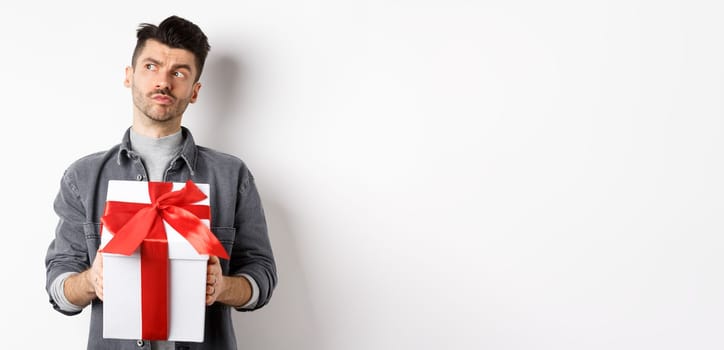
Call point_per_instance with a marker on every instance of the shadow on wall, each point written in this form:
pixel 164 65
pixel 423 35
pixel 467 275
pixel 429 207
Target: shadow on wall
pixel 288 321
pixel 223 75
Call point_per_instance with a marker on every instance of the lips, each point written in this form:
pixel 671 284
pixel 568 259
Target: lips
pixel 162 99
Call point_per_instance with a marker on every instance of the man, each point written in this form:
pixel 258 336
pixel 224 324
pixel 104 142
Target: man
pixel 163 78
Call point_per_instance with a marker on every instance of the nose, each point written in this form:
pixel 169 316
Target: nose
pixel 162 83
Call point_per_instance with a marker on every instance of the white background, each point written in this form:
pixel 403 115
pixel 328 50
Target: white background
pixel 436 174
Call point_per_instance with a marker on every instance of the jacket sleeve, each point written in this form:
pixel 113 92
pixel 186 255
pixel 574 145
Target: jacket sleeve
pixel 252 253
pixel 68 251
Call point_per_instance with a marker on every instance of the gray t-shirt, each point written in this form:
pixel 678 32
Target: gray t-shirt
pixel 156 153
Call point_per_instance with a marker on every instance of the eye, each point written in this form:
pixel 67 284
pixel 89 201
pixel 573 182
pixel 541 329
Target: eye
pixel 178 74
pixel 150 66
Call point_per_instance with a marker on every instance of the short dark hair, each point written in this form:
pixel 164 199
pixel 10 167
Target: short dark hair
pixel 175 32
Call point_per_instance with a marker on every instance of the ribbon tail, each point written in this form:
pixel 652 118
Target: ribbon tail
pixel 194 231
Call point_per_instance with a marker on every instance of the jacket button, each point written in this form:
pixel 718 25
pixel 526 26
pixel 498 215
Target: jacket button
pixel 139 177
pixel 139 342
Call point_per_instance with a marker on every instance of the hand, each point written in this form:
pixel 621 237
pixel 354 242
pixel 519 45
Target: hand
pixel 95 275
pixel 214 280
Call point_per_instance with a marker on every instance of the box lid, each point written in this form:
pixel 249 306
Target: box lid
pixel 137 192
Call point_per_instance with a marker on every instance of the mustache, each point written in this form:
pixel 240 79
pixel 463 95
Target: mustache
pixel 164 91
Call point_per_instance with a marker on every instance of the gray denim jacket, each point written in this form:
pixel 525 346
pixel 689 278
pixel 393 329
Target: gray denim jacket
pixel 237 219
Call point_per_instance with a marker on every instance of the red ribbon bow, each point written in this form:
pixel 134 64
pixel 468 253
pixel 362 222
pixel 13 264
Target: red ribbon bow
pixel 141 225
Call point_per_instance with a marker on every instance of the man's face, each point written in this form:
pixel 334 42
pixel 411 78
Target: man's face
pixel 162 82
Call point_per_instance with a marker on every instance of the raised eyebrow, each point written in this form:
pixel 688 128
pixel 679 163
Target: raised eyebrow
pixel 182 66
pixel 151 60
pixel 176 67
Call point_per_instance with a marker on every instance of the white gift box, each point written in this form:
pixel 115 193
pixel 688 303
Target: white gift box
pixel 122 277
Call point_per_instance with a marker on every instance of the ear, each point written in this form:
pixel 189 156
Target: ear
pixel 127 82
pixel 195 93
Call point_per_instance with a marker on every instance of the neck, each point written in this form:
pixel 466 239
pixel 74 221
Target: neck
pixel 155 129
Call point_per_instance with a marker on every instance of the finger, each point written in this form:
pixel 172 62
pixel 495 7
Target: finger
pixel 210 295
pixel 212 278
pixel 213 259
pixel 210 268
pixel 99 289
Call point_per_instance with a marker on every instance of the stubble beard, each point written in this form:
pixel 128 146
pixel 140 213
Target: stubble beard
pixel 157 113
